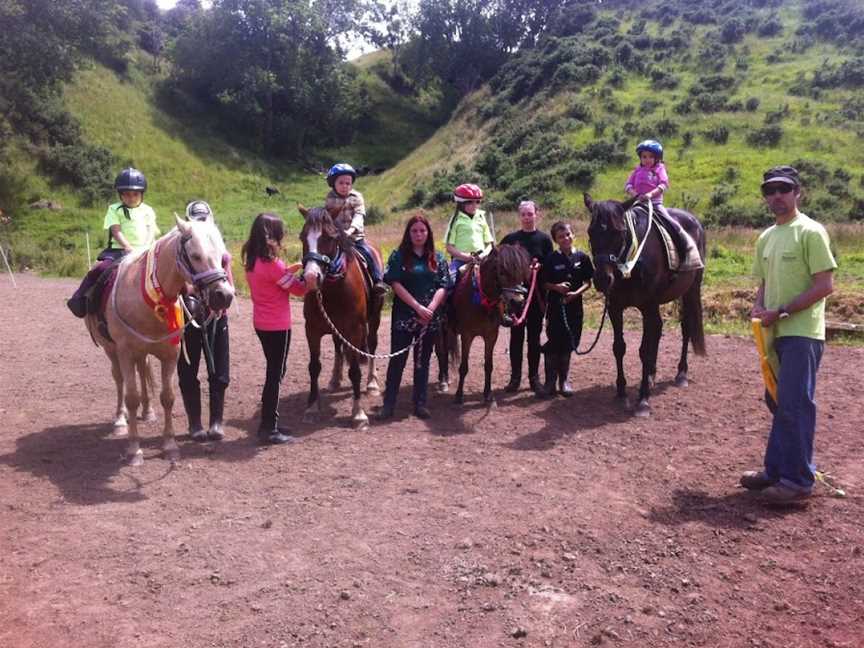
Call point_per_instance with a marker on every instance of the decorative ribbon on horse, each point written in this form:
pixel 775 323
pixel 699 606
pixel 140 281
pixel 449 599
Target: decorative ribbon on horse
pixel 164 309
pixel 485 302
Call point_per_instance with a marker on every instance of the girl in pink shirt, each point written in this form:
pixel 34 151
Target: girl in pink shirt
pixel 271 283
pixel 648 181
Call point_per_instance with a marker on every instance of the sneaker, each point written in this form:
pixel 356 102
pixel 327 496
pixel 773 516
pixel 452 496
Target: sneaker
pixel 513 386
pixel 275 436
pixel 422 412
pixel 756 480
pixel 385 413
pixel 779 494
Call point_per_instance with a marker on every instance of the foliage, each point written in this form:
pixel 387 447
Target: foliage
pixel 267 68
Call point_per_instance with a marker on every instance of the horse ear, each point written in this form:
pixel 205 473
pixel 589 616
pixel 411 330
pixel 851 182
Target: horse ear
pixel 182 225
pixel 302 210
pixel 589 202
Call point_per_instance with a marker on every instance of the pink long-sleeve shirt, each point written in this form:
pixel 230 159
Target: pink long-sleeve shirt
pixel 644 179
pixel 271 306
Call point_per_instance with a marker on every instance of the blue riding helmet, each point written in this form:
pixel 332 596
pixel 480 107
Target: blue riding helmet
pixel 652 146
pixel 340 169
pixel 130 180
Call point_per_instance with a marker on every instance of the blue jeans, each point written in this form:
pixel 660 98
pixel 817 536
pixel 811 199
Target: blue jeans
pixel 369 255
pixel 789 455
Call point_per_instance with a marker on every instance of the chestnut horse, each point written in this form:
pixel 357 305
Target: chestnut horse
pixel 337 303
pixel 139 325
pixel 650 284
pixel 478 305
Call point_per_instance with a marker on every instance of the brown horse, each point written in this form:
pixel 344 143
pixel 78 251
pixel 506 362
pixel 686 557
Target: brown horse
pixel 338 303
pixel 139 325
pixel 650 284
pixel 480 304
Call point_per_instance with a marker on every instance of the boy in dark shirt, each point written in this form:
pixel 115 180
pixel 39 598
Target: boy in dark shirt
pixel 566 275
pixel 539 246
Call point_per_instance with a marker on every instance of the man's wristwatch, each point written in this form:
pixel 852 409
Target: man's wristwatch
pixel 782 313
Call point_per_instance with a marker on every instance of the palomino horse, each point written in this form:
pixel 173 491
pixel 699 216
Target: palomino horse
pixel 143 317
pixel 478 302
pixel 651 283
pixel 337 303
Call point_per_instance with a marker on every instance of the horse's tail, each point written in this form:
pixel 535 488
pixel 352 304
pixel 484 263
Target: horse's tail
pixel 691 315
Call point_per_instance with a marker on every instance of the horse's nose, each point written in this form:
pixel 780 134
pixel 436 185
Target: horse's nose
pixel 220 298
pixel 310 277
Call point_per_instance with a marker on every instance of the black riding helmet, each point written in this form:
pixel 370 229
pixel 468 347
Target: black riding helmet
pixel 130 180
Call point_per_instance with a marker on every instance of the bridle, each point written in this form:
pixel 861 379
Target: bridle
pixel 201 280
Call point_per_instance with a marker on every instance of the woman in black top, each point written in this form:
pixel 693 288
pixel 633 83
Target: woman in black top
pixel 420 278
pixel 539 246
pixel 566 275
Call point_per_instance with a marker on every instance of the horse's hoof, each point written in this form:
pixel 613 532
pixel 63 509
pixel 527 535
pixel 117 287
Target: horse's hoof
pixel 373 390
pixel 172 455
pixel 681 380
pixel 491 403
pixel 443 387
pixel 120 422
pixel 136 459
pixel 360 422
pixel 643 410
pixel 120 432
pixel 149 416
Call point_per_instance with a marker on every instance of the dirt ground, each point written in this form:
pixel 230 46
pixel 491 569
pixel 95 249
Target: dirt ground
pixel 563 523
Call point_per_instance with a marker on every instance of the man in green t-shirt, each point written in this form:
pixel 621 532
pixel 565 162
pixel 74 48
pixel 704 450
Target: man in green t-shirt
pixel 795 267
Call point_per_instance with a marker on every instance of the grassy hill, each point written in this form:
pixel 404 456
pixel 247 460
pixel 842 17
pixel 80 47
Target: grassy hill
pixel 186 159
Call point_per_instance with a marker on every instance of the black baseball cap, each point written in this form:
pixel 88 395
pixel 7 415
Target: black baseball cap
pixel 783 173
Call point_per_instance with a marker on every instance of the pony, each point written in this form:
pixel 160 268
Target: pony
pixel 338 303
pixel 497 280
pixel 651 283
pixel 143 316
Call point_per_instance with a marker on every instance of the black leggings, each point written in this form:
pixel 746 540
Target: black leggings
pixel 275 345
pixel 422 352
pixel 187 374
pixel 534 326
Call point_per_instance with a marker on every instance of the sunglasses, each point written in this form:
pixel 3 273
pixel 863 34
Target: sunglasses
pixel 775 189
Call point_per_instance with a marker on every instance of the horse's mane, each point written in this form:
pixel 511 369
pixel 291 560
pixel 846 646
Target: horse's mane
pixel 319 217
pixel 611 212
pixel 513 261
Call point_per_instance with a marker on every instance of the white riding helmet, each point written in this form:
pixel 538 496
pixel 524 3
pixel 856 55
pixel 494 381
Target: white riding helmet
pixel 199 210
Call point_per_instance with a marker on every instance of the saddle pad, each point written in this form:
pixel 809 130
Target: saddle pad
pixel 671 250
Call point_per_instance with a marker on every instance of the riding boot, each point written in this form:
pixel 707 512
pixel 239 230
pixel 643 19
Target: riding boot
pixel 534 383
pixel 566 389
pixel 192 405
pixel 513 386
pixel 547 390
pixel 271 433
pixel 217 408
pixel 77 303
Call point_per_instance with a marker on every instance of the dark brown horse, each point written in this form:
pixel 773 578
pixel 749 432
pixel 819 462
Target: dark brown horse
pixel 338 303
pixel 650 284
pixel 481 302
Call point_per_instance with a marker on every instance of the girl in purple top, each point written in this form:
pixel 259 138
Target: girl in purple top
pixel 271 283
pixel 648 181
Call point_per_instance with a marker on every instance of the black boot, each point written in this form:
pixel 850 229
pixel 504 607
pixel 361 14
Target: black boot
pixel 270 433
pixel 513 386
pixel 566 389
pixel 192 405
pixel 547 390
pixel 217 408
pixel 534 383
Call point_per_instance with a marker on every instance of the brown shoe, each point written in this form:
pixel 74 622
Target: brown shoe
pixel 756 480
pixel 779 494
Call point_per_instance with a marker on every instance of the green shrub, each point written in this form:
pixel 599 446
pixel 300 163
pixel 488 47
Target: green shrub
pixel 374 214
pixel 751 104
pixel 87 168
pixel 765 136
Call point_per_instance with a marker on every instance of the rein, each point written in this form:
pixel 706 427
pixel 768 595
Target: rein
pixel 626 268
pixel 366 354
pixel 527 306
